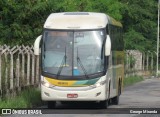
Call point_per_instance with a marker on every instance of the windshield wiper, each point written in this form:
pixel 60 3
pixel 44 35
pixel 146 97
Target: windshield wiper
pixel 62 64
pixel 79 61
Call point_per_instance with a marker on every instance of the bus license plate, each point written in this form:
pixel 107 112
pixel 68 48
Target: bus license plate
pixel 72 95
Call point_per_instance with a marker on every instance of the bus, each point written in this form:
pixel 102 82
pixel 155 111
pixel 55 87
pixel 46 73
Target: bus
pixel 82 58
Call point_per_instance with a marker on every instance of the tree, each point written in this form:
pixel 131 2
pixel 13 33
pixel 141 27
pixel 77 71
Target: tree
pixel 139 20
pixel 21 21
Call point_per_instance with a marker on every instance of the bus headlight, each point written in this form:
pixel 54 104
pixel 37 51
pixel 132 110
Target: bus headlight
pixel 47 84
pixel 99 84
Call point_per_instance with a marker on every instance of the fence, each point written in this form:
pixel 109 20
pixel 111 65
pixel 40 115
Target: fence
pixel 138 63
pixel 19 68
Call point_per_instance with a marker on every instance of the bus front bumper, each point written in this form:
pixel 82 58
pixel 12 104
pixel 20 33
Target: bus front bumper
pixel 83 94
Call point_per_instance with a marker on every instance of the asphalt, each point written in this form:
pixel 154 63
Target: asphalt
pixel 140 97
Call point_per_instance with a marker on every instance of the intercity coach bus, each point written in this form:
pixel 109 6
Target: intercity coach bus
pixel 82 58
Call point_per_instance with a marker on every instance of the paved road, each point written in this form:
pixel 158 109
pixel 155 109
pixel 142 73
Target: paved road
pixel 145 94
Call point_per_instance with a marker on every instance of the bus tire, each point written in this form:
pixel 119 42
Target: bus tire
pixel 115 100
pixel 104 104
pixel 51 104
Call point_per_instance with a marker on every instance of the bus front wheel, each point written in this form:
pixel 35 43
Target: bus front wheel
pixel 115 100
pixel 104 104
pixel 51 104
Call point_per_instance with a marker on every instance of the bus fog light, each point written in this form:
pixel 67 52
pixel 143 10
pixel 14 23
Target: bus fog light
pixel 47 94
pixel 98 93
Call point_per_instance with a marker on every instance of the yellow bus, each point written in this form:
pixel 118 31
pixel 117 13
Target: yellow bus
pixel 82 58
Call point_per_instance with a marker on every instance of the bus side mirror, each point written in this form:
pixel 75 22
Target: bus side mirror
pixel 37 45
pixel 108 46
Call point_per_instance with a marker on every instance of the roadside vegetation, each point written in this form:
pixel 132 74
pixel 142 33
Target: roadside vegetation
pixel 132 80
pixel 28 98
pixel 21 21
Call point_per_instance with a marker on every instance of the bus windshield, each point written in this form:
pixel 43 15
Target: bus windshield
pixel 73 53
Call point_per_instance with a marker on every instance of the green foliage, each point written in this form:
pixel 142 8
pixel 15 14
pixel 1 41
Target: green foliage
pixel 132 80
pixel 139 21
pixel 134 40
pixel 21 21
pixel 27 99
pixel 109 7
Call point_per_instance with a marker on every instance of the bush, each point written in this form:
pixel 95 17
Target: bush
pixel 132 80
pixel 28 98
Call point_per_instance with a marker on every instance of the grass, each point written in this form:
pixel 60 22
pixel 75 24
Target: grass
pixel 132 80
pixel 28 98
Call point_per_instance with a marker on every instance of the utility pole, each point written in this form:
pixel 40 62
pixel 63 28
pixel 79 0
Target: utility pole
pixel 158 41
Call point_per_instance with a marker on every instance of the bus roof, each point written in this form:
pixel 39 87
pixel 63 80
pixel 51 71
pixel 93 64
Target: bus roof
pixel 79 20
